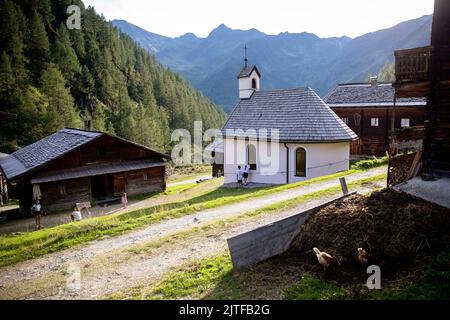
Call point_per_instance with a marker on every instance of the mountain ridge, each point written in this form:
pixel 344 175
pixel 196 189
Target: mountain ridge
pixel 285 60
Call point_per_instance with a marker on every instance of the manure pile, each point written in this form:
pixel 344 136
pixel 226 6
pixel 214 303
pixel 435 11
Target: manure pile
pixel 386 223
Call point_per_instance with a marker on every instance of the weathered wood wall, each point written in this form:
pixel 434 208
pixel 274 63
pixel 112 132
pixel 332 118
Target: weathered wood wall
pixel 374 140
pixel 437 144
pixel 145 181
pixel 64 194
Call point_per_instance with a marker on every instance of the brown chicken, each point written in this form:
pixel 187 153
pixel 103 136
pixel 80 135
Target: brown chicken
pixel 362 256
pixel 324 258
pixel 366 258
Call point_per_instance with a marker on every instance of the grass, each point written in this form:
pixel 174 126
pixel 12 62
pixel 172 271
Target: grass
pixel 214 278
pixel 182 172
pixel 312 288
pixel 196 278
pixel 16 248
pixel 370 163
pixel 179 188
pixel 177 178
pixel 11 202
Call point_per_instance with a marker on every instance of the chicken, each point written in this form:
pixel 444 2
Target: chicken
pixel 366 258
pixel 324 258
pixel 362 256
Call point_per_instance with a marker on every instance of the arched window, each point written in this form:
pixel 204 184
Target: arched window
pixel 253 83
pixel 251 156
pixel 300 162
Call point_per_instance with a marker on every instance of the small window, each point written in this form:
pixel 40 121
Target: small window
pixel 251 156
pixel 405 123
pixel 345 120
pixel 374 122
pixel 146 177
pixel 300 162
pixel 62 189
pixel 254 83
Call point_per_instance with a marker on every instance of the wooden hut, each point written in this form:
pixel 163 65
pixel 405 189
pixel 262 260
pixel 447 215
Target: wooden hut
pixel 73 166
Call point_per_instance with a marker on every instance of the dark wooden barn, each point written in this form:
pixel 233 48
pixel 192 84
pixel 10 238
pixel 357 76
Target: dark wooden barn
pixel 368 109
pixel 425 72
pixel 72 166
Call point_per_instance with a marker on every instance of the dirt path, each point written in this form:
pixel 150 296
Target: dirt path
pixel 45 277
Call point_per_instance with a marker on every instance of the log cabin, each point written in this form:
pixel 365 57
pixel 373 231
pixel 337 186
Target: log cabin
pixel 73 166
pixel 368 109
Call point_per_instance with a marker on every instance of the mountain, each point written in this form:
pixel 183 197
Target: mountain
pixel 53 77
pixel 285 60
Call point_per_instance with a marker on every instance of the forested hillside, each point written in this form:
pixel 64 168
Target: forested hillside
pixel 52 77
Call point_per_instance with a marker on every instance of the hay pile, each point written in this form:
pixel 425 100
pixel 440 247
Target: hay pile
pixel 386 223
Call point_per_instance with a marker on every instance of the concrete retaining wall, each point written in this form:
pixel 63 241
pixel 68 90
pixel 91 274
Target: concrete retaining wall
pixel 260 244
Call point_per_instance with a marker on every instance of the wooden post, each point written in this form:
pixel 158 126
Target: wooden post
pixel 343 186
pixel 1 190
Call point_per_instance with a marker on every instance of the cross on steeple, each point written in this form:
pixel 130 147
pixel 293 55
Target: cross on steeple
pixel 245 55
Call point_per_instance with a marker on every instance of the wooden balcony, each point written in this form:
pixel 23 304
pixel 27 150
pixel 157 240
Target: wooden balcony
pixel 413 71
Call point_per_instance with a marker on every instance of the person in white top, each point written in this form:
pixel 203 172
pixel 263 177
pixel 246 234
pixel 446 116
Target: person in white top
pixel 76 214
pixel 239 176
pixel 246 174
pixel 36 212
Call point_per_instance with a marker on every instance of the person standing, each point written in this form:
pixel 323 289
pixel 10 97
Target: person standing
pixel 36 211
pixel 124 200
pixel 246 174
pixel 239 176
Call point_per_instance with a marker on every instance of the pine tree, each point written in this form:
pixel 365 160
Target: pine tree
pixel 64 55
pixel 61 103
pixel 38 47
pixel 12 26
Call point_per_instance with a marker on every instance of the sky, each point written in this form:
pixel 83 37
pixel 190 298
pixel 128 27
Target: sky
pixel 325 18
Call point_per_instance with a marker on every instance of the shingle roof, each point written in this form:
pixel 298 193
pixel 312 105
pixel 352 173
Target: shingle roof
pixel 247 71
pixel 76 173
pixel 48 149
pixel 299 114
pixel 367 95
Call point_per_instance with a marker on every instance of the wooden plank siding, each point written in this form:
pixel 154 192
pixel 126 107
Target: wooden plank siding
pixel 64 194
pixel 373 140
pixel 145 181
